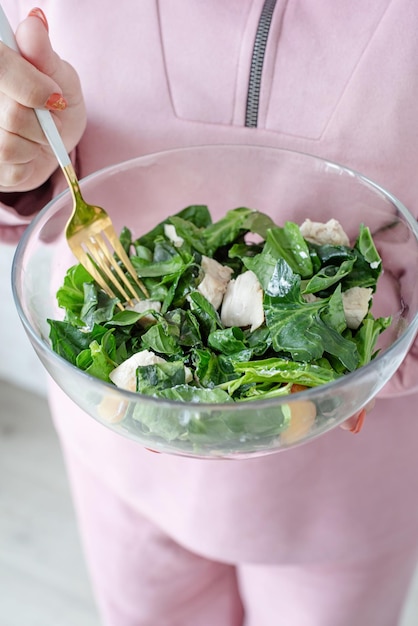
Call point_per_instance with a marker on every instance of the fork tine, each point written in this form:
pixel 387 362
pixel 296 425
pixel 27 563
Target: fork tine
pixel 90 228
pixel 103 233
pixel 86 261
pixel 99 253
pixel 120 252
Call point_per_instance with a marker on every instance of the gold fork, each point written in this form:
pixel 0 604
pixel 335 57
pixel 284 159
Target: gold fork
pixel 90 233
pixel 94 242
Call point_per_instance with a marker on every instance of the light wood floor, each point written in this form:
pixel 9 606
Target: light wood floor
pixel 43 581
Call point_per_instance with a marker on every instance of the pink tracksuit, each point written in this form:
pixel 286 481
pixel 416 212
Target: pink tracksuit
pixel 327 534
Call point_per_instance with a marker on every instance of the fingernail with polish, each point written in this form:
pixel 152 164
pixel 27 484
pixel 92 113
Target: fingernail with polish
pixel 56 102
pixel 37 12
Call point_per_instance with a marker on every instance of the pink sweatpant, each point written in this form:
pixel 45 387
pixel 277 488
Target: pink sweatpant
pixel 141 577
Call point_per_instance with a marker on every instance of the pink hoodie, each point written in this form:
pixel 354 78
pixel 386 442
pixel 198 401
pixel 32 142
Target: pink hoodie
pixel 339 80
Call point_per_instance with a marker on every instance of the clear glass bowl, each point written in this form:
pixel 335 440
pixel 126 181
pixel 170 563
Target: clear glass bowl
pixel 287 185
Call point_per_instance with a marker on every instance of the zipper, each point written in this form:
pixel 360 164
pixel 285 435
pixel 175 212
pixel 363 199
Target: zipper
pixel 257 62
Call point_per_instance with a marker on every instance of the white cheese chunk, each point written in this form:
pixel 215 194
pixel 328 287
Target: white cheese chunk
pixel 124 375
pixel 215 280
pixel 145 305
pixel 310 297
pixel 171 234
pixel 322 233
pixel 356 305
pixel 243 302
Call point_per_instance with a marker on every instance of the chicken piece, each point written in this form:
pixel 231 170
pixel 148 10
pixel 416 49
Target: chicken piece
pixel 171 234
pixel 215 280
pixel 310 297
pixel 330 232
pixel 356 305
pixel 145 305
pixel 124 375
pixel 112 410
pixel 188 376
pixel 243 302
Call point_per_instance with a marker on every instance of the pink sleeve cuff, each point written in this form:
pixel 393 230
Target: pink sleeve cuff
pixel 405 380
pixel 18 209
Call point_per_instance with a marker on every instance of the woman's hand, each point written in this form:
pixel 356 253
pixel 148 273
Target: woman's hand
pixel 37 79
pixel 354 424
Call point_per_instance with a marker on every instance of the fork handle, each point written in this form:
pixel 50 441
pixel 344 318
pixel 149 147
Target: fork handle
pixel 44 117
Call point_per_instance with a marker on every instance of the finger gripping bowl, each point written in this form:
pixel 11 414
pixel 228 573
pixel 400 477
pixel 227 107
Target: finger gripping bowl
pixel 287 186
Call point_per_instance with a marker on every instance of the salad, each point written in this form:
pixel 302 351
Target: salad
pixel 237 309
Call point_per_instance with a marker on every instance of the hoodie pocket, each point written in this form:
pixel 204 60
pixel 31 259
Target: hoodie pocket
pixel 202 50
pixel 312 53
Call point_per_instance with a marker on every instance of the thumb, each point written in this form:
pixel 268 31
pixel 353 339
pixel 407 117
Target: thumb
pixel 34 43
pixel 35 47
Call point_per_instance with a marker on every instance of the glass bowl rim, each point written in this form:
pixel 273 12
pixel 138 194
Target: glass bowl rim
pixel 309 394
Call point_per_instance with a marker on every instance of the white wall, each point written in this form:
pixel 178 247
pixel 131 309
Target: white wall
pixel 18 361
